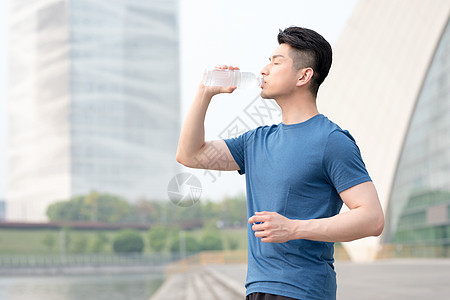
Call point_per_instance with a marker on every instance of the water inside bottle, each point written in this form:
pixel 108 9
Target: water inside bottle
pixel 249 80
pixel 220 77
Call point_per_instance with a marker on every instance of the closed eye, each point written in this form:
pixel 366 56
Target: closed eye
pixel 276 58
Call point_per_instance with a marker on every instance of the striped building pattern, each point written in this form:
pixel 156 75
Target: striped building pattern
pixel 93 100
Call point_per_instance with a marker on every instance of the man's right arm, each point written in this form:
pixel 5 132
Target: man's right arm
pixel 192 150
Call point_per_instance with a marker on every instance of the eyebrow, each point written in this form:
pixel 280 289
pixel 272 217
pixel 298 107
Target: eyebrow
pixel 275 56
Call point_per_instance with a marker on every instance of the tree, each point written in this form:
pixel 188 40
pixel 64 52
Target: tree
pixel 128 241
pixel 92 207
pixel 112 209
pixel 145 211
pixel 72 210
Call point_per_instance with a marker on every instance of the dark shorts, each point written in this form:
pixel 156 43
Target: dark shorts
pixel 264 296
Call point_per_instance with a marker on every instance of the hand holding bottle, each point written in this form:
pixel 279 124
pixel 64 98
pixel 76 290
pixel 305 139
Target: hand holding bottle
pixel 230 78
pixel 218 89
pixel 225 86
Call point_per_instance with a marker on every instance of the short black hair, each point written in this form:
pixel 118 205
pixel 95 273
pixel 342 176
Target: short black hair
pixel 310 50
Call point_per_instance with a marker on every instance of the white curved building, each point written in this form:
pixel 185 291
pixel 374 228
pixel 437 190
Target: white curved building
pixel 93 101
pixel 393 56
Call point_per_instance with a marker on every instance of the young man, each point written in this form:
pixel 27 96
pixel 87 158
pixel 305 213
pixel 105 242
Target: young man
pixel 298 174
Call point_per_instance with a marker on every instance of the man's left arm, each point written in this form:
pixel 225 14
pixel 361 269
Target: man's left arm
pixel 365 218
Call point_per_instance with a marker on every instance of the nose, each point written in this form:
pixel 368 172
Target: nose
pixel 265 70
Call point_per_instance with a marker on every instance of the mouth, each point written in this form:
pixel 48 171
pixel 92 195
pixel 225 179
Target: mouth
pixel 262 84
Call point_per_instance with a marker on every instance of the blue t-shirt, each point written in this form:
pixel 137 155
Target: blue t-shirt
pixel 297 171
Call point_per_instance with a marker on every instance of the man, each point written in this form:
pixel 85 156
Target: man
pixel 298 174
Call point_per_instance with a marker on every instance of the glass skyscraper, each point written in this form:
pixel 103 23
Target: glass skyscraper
pixel 419 210
pixel 93 101
pixel 389 86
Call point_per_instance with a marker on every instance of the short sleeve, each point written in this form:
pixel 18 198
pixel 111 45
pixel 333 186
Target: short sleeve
pixel 342 161
pixel 237 148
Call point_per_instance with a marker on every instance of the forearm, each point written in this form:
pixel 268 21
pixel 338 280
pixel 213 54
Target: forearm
pixel 365 218
pixel 192 136
pixel 348 226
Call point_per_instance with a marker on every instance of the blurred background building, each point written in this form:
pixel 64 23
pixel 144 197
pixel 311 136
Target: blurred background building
pixel 93 100
pixel 419 209
pixel 390 85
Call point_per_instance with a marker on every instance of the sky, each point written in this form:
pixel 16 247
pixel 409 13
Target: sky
pixel 3 85
pixel 233 32
pixel 243 34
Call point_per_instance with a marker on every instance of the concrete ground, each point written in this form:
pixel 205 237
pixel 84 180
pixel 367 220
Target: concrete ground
pixel 387 279
pixel 394 279
pixel 406 279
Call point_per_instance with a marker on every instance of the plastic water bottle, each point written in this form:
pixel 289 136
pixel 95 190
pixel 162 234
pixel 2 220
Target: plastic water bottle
pixel 226 77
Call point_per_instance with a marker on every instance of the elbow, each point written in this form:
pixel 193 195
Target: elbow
pixel 180 159
pixel 378 225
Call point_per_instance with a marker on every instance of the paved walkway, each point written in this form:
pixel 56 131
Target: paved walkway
pixel 390 279
pixel 205 282
pixel 395 279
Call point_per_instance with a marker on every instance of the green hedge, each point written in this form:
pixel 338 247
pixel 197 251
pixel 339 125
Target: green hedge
pixel 128 241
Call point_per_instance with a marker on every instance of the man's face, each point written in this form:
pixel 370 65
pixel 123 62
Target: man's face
pixel 280 78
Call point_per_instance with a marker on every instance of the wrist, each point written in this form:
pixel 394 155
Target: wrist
pixel 208 91
pixel 204 94
pixel 298 230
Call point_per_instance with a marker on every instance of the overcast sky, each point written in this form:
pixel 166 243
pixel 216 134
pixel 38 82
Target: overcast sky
pixel 3 66
pixel 242 33
pixel 235 32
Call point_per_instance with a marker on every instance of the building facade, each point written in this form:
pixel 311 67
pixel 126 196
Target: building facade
pixel 93 101
pixel 419 208
pixel 388 86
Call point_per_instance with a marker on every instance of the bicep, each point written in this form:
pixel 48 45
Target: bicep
pixel 361 195
pixel 365 210
pixel 214 155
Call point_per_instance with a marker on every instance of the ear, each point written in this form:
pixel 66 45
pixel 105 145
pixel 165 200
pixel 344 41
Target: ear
pixel 304 76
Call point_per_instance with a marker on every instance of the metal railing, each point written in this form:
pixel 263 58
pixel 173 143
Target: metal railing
pixel 68 260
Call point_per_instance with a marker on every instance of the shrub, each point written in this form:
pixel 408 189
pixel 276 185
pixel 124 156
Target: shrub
pixel 49 241
pixel 211 241
pixel 233 243
pixel 157 238
pixel 128 241
pixel 192 245
pixel 99 243
pixel 79 244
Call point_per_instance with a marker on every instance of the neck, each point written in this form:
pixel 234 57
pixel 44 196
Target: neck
pixel 298 109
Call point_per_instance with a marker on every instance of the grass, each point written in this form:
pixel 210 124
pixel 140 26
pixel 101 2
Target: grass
pixel 32 241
